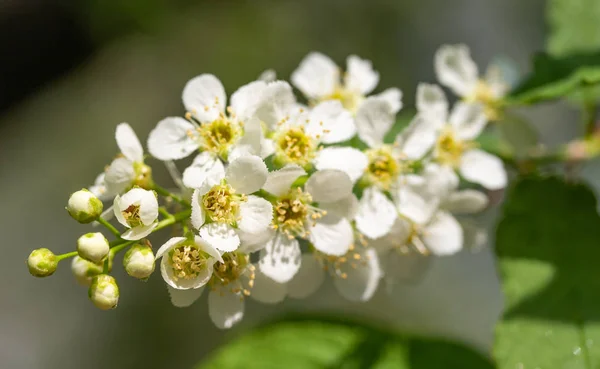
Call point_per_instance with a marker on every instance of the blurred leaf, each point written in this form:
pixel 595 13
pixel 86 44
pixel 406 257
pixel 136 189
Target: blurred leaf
pixel 518 133
pixel 574 26
pixel 548 248
pixel 311 343
pixel 554 78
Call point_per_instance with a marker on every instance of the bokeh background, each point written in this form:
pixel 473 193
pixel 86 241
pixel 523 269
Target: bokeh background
pixel 71 71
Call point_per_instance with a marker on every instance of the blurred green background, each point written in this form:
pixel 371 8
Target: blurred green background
pixel 71 71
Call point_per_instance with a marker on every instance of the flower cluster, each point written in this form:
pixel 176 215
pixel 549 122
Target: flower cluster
pixel 282 191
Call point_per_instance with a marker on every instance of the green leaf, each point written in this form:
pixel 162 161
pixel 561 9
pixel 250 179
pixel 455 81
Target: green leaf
pixel 574 26
pixel 554 78
pixel 548 245
pixel 310 343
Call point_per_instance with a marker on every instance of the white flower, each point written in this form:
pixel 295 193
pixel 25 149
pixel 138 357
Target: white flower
pixel 455 132
pixel 126 170
pixel 223 135
pixel 318 78
pixel 187 263
pixel 99 188
pixel 137 210
pixel 327 226
pixel 456 69
pixel 297 132
pixel 223 206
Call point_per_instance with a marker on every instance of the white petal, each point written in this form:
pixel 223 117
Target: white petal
pixel 468 120
pixel 251 143
pixel 251 242
pixel 208 248
pixel 118 208
pixel 276 103
pixel 419 137
pixel 256 215
pixel 247 174
pixel 184 298
pixel 361 277
pixel 148 207
pixel 466 202
pixel 133 197
pixel 308 279
pixel 222 236
pixel 398 236
pixel 128 143
pixel 206 168
pixel 415 201
pixel 167 246
pixel 404 267
pixel 204 96
pixel 198 281
pixel 332 235
pixel 432 102
pixel 376 214
pixel 393 96
pixel 119 175
pixel 347 159
pixel 279 182
pixel 170 140
pixel 139 232
pixel 479 167
pixel 246 99
pixel 373 120
pixel 280 259
pixel 268 75
pixel 443 235
pixel 225 308
pixel 329 185
pixel 455 68
pixel 360 75
pixel 344 208
pixel 198 216
pixel 317 76
pixel 331 122
pixel 266 290
pixel 440 179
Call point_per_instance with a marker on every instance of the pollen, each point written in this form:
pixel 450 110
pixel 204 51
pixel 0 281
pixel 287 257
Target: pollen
pixel 222 203
pixel 295 146
pixel 219 135
pixel 132 216
pixel 383 168
pixel 187 261
pixel 235 271
pixel 449 148
pixel 484 94
pixel 350 99
pixel 294 213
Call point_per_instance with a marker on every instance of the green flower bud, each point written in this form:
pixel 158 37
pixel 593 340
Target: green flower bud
pixel 84 206
pixel 42 263
pixel 139 261
pixel 84 271
pixel 104 292
pixel 93 247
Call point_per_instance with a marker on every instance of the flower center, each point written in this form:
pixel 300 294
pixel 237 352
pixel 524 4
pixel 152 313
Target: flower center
pixel 222 203
pixel 218 136
pixel 132 216
pixel 383 168
pixel 293 213
pixel 350 100
pixel 187 261
pixel 484 94
pixel 143 176
pixel 295 146
pixel 337 266
pixel 449 148
pixel 234 266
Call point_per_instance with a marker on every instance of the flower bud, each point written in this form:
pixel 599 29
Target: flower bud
pixel 139 261
pixel 84 206
pixel 93 247
pixel 84 271
pixel 104 292
pixel 42 263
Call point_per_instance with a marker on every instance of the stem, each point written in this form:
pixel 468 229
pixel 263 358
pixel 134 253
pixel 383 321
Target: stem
pixel 175 218
pixel 589 118
pixel 164 212
pixel 66 255
pixel 166 193
pixel 115 249
pixel 109 226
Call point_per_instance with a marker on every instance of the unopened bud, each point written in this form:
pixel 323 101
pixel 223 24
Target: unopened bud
pixel 42 263
pixel 84 270
pixel 84 206
pixel 93 247
pixel 139 261
pixel 104 292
